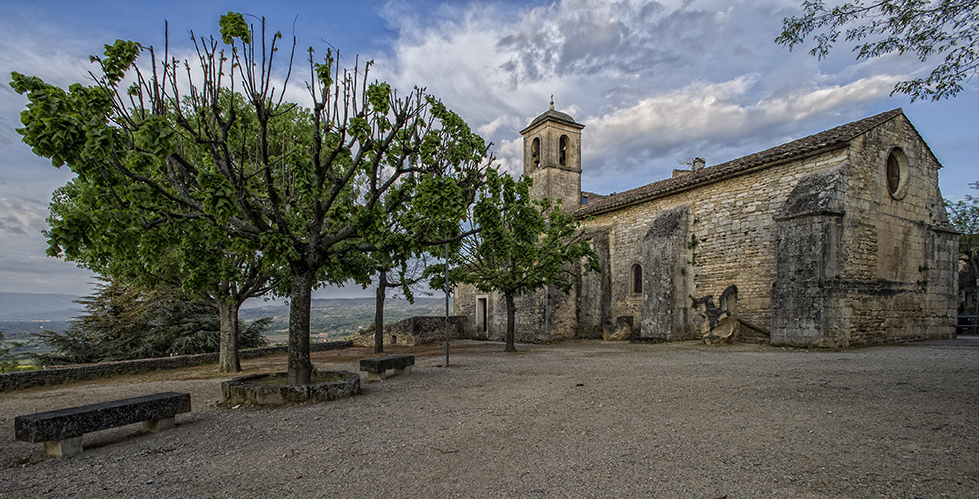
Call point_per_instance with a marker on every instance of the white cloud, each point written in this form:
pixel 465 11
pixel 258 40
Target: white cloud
pixel 510 156
pixel 653 81
pixel 718 113
pixel 22 216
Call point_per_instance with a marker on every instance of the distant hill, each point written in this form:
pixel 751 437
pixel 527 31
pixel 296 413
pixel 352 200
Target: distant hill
pixel 344 306
pixel 22 314
pixel 38 306
pixel 336 318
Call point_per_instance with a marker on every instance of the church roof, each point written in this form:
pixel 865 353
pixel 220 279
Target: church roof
pixel 829 139
pixel 553 115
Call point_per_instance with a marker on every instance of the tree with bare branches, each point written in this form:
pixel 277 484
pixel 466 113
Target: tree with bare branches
pixel 214 139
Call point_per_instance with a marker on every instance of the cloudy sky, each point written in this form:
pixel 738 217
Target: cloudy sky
pixel 655 82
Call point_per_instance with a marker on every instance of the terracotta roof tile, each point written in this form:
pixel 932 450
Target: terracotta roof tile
pixel 833 137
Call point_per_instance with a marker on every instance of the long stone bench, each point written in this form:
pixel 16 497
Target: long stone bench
pixel 62 430
pixel 378 366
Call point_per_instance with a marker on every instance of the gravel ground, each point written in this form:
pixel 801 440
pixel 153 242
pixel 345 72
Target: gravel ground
pixel 579 419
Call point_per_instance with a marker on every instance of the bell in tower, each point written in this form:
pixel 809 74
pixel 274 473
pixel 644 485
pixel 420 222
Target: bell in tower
pixel 552 157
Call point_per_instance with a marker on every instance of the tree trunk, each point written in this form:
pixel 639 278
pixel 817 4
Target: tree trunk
pixel 382 284
pixel 300 368
pixel 228 361
pixel 510 316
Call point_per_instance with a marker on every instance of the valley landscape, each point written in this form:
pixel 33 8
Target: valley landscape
pixel 24 314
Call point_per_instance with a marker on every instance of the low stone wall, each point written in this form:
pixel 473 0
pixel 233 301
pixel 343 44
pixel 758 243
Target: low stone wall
pixel 420 330
pixel 64 374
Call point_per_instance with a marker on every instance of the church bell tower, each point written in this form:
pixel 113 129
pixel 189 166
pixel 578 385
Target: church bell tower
pixel 552 157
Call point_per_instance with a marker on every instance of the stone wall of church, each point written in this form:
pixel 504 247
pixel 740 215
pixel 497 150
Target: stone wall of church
pixel 464 305
pixel 667 284
pixel 594 312
pixel 730 240
pixel 539 317
pixel 899 278
pixel 808 247
pixel 822 254
pixel 557 184
pixel 552 179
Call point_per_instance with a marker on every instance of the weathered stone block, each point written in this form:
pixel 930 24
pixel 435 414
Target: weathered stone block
pixel 158 425
pixel 249 390
pixel 666 289
pixel 66 447
pixel 378 366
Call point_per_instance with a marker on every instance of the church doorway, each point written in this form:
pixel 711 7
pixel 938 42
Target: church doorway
pixel 482 313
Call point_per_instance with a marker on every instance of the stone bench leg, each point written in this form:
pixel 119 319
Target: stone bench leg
pixel 404 370
pixel 158 425
pixel 372 376
pixel 65 447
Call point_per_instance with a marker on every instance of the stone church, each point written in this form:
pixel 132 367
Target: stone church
pixel 833 240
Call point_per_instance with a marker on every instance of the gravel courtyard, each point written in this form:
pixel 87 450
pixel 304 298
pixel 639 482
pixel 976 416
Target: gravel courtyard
pixel 579 419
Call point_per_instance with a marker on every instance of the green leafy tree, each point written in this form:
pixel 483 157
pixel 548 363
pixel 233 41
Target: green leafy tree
pixel 6 365
pixel 964 217
pixel 928 29
pixel 425 221
pixel 304 187
pixel 123 322
pixel 129 240
pixel 521 244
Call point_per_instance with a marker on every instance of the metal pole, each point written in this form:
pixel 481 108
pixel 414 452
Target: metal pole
pixel 446 304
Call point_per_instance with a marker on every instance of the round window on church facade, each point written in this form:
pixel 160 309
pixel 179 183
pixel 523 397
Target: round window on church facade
pixel 897 173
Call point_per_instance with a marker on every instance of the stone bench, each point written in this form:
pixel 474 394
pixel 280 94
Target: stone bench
pixel 378 366
pixel 62 430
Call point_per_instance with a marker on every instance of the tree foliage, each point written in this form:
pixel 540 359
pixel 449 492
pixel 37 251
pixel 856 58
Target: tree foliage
pixel 123 322
pixel 964 217
pixel 213 139
pixel 947 29
pixel 413 230
pixel 6 365
pixel 521 244
pixel 137 244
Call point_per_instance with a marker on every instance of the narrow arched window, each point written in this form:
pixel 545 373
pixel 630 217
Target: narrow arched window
pixel 482 314
pixel 637 279
pixel 535 151
pixel 563 150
